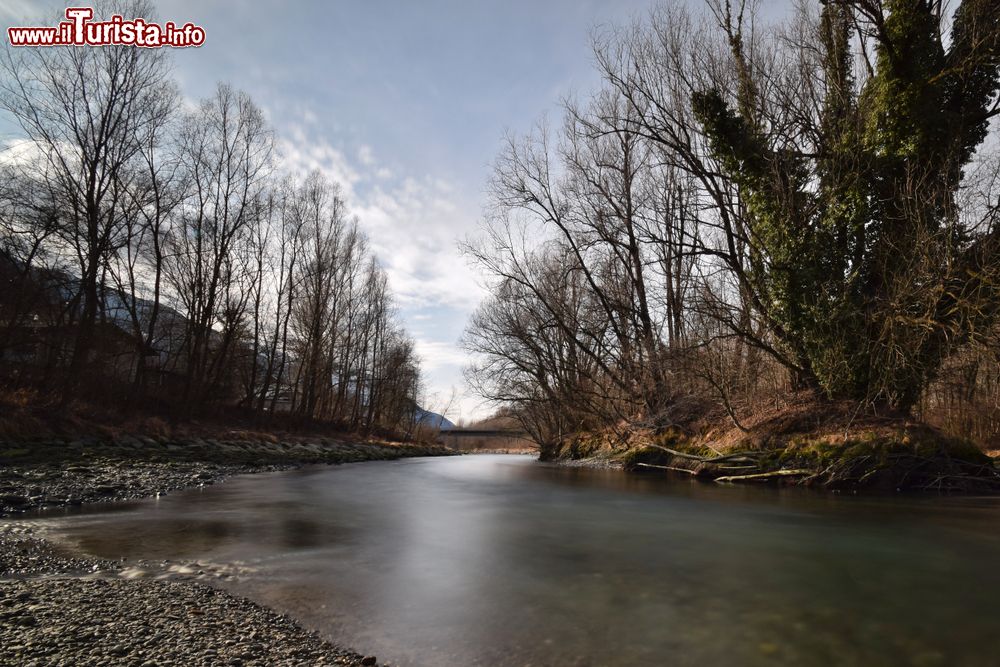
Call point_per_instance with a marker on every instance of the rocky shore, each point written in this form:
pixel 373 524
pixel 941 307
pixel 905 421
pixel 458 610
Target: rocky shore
pixel 149 623
pixel 58 473
pixel 58 608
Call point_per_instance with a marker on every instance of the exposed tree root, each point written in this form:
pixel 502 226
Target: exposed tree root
pixel 876 469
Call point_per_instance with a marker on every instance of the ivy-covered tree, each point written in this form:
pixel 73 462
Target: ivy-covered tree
pixel 861 260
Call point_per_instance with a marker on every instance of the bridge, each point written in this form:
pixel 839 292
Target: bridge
pixel 485 433
pixel 486 439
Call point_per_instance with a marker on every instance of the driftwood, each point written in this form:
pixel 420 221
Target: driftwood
pixel 735 457
pixel 894 470
pixel 673 468
pixel 764 476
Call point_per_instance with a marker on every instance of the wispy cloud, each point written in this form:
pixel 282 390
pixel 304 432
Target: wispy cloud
pixel 437 354
pixel 300 153
pixel 414 223
pixel 365 155
pixel 19 10
pixel 408 129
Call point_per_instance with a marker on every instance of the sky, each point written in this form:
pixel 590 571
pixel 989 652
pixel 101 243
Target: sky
pixel 405 103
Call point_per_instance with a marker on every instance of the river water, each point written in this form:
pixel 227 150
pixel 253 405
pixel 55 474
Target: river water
pixel 501 560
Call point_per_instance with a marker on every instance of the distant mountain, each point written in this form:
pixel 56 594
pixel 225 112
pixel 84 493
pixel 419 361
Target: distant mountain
pixel 434 420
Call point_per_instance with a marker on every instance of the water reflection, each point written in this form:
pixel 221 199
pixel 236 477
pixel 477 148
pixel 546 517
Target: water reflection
pixel 503 561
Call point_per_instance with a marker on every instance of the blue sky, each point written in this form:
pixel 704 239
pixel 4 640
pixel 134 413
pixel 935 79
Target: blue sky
pixel 405 103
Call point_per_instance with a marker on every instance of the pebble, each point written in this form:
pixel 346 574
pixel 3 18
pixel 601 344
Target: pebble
pixel 60 608
pixel 56 477
pixel 111 621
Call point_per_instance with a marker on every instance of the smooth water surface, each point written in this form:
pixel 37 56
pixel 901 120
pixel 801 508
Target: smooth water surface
pixel 500 560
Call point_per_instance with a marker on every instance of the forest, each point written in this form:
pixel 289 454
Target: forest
pixel 154 255
pixel 756 236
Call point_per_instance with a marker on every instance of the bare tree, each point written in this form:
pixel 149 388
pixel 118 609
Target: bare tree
pixel 226 148
pixel 152 187
pixel 86 110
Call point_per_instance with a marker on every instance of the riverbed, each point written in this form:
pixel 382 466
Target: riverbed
pixel 501 560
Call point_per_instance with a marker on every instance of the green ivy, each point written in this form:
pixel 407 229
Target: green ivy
pixel 834 233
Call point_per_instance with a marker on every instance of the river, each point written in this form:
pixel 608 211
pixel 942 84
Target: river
pixel 501 560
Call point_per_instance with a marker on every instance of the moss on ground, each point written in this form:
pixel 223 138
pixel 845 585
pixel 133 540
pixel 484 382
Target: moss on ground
pixel 892 456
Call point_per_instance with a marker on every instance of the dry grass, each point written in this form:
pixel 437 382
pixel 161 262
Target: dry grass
pixel 806 441
pixel 27 415
pixel 802 415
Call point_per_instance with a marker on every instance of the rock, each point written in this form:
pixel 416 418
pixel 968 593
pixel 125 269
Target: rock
pixel 368 660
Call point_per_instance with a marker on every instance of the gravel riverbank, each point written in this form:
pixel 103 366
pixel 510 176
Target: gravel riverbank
pixel 56 473
pixel 62 609
pixel 59 608
pixel 73 621
pixel 34 487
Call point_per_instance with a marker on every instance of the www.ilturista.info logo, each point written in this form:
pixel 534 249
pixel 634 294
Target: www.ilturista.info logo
pixel 79 30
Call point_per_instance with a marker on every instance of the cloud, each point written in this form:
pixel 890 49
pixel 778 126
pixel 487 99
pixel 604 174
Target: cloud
pixel 23 153
pixel 442 365
pixel 22 10
pixel 308 116
pixel 299 153
pixel 435 354
pixel 414 224
pixel 366 155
